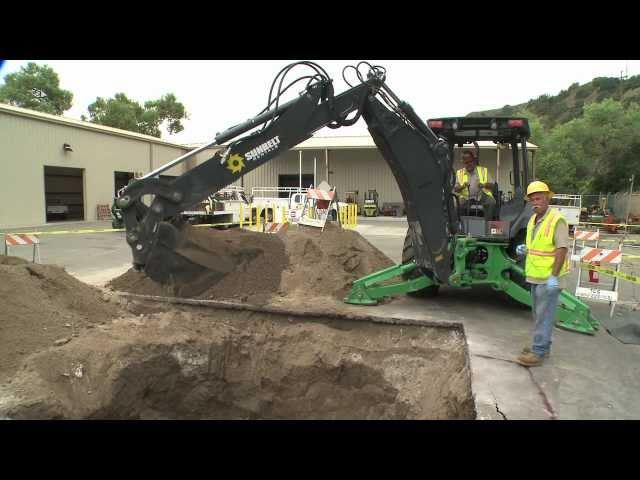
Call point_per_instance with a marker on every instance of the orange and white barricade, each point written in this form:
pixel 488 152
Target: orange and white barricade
pixel 317 207
pixel 584 236
pixel 599 289
pixel 272 227
pixel 17 239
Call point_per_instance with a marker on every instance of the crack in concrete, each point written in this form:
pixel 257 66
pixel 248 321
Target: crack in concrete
pixel 494 358
pixel 495 401
pixel 545 400
pixel 504 417
pixel 547 403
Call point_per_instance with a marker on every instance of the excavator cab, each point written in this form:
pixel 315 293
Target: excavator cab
pixel 510 218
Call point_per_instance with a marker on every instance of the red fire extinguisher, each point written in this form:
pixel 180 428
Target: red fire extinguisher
pixel 593 274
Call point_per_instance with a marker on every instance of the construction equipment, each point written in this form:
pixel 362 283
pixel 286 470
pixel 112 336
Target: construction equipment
pixel 117 220
pixel 222 209
pixel 483 251
pixel 370 206
pixel 441 247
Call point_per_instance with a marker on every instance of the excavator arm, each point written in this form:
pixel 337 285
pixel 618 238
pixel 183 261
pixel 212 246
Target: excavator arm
pixel 418 159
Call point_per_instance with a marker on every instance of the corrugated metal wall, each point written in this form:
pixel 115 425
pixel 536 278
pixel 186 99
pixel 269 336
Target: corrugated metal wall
pixel 29 144
pixel 362 169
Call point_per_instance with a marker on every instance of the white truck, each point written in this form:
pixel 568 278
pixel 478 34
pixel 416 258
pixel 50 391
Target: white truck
pixel 268 201
pixel 569 206
pixel 293 203
pixel 224 207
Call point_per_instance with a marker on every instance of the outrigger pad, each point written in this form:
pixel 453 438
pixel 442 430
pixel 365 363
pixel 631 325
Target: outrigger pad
pixel 624 326
pixel 629 333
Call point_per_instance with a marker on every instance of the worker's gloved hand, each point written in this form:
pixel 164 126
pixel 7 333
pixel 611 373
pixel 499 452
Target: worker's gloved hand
pixel 521 250
pixel 552 282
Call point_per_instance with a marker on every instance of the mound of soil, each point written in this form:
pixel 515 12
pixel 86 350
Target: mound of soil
pixel 297 263
pixel 9 260
pixel 41 304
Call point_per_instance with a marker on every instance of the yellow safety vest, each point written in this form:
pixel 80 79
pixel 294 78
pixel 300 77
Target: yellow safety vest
pixel 541 250
pixel 463 176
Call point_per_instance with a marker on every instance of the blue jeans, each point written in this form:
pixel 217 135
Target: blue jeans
pixel 544 304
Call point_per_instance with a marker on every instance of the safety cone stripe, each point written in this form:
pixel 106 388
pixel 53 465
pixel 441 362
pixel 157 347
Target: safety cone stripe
pixel 275 227
pixel 13 240
pixel 601 255
pixel 587 235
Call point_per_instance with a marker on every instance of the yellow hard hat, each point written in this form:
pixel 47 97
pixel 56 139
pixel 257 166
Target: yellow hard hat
pixel 538 186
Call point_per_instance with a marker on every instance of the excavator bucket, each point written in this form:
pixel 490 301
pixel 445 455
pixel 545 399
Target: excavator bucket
pixel 188 261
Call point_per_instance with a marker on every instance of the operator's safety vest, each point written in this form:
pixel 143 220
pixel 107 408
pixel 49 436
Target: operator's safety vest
pixel 463 176
pixel 540 250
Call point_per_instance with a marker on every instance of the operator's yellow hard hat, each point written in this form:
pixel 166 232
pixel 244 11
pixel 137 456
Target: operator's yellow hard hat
pixel 538 186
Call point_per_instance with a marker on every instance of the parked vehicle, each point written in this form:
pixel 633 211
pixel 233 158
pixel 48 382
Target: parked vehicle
pixel 223 208
pixel 570 206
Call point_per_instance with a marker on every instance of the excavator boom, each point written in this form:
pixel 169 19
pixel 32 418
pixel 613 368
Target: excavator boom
pixel 418 159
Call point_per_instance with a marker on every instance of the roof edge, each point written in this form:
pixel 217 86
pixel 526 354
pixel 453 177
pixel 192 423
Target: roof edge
pixel 47 117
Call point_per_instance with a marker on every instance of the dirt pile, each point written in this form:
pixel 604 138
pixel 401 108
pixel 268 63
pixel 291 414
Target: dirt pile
pixel 255 262
pixel 298 263
pixel 9 260
pixel 223 364
pixel 41 304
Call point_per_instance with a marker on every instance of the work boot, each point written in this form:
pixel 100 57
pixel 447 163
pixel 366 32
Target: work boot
pixel 526 350
pixel 530 359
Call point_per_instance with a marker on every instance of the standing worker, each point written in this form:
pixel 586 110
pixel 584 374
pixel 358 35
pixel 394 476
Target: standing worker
pixel 472 183
pixel 545 268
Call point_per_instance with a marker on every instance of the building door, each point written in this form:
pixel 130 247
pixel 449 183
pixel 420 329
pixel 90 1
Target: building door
pixel 64 193
pixel 293 181
pixel 121 180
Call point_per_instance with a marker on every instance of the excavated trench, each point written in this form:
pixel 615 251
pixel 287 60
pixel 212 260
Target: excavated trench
pixel 204 363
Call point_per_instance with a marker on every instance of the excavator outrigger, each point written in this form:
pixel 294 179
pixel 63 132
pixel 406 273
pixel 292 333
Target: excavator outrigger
pixel 441 250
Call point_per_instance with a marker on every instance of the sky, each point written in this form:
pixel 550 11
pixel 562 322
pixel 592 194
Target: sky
pixel 218 94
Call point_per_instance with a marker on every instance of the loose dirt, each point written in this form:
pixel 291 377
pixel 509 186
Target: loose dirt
pixel 40 304
pixel 298 264
pixel 220 364
pixel 68 350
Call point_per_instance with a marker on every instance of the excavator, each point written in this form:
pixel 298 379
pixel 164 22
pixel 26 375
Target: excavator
pixel 442 247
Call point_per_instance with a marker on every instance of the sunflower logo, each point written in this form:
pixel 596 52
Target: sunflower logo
pixel 235 163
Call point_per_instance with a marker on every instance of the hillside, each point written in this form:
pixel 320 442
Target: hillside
pixel 569 104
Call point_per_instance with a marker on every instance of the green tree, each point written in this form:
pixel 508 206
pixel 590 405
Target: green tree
pixel 597 152
pixel 36 87
pixel 124 113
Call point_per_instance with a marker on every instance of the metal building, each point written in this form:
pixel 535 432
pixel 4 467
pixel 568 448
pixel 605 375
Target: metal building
pixel 57 168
